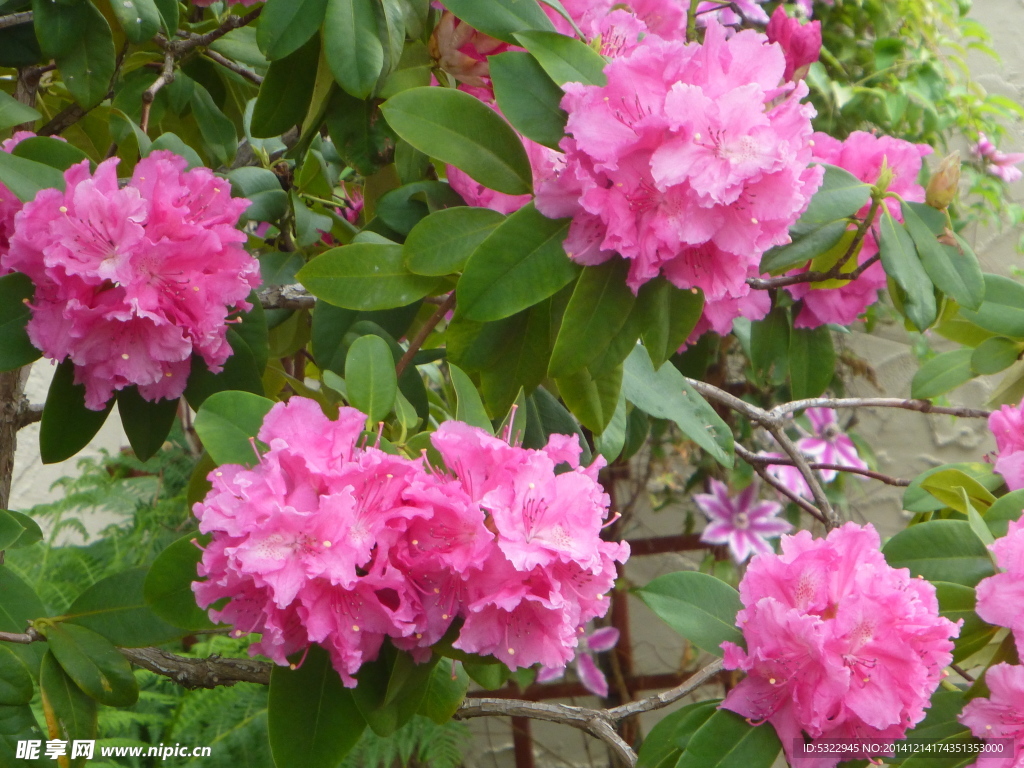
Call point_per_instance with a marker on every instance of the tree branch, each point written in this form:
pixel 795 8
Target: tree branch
pixel 660 700
pixel 922 406
pixel 14 19
pixel 285 297
pixel 235 67
pixel 424 332
pixel 29 414
pixel 766 461
pixel 199 673
pixel 761 470
pixel 166 77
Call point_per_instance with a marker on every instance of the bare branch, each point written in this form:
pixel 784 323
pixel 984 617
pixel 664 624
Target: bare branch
pixel 234 66
pixel 761 470
pixel 166 77
pixel 29 414
pixel 199 673
pixel 424 332
pixel 665 698
pixel 14 19
pixel 22 638
pixel 922 406
pixel 285 297
pixel 766 461
pixel 230 23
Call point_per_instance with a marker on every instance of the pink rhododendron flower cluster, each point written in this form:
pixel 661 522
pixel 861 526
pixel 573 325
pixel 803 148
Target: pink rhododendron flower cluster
pixel 744 522
pixel 801 42
pixel 1001 715
pixel 1000 597
pixel 327 542
pixel 1007 427
pixel 864 155
pixel 691 162
pixel 839 644
pixel 9 202
pixel 131 281
pixel 1000 164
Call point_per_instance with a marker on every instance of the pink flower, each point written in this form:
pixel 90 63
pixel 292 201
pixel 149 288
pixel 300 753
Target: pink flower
pixel 839 644
pixel 1007 426
pixel 864 155
pixel 462 51
pixel 997 163
pixel 132 281
pixel 826 444
pixel 800 42
pixel 9 202
pixel 1000 597
pixel 1001 715
pixel 690 163
pixel 743 522
pixel 589 673
pixel 542 162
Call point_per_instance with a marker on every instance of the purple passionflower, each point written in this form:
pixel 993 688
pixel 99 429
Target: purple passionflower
pixel 593 679
pixel 1000 164
pixel 744 522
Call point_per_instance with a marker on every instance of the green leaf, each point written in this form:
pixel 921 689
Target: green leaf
pixel 146 423
pixel 975 519
pixel 87 65
pixel 25 177
pixel 18 723
pixel 946 486
pixel 954 273
pixel 30 530
pixel 286 25
pixel 459 129
pixel 311 716
pixel 521 263
pixel 469 407
pixel 287 91
pixel 404 207
pixel 228 422
pixel 49 151
pixel 901 263
pixel 941 730
pixel 365 276
pixel 995 355
pixel 93 663
pixel 592 399
pixel 803 249
pixel 527 97
pixel 57 25
pixel 522 360
pixel 268 202
pixel 942 373
pixel 552 418
pixel 70 713
pixel 1002 311
pixel 769 347
pixel 362 138
pixel 699 607
pixel 115 608
pixel 11 530
pixel 16 685
pixel 490 676
pixel 940 550
pixel 370 377
pixel 613 439
pixel 19 606
pixel 140 19
pixel 598 308
pixel 957 602
pixel 812 361
pixel 565 59
pixel 665 394
pixel 390 690
pixel 446 690
pixel 1005 509
pixel 664 745
pixel 168 585
pixel 352 45
pixel 727 740
pixel 67 425
pixel 668 317
pixel 916 499
pixel 216 128
pixel 13 112
pixel 501 18
pixel 442 242
pixel 840 195
pixel 15 348
pixel 241 372
pixel 168 14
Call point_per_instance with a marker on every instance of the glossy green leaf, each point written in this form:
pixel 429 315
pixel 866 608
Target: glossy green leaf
pixel 521 362
pixel 527 97
pixel 67 425
pixel 241 372
pixel 217 130
pixel 1005 509
pixel 19 606
pixel 93 663
pixel 995 355
pixel 501 18
pixel 1002 311
pixel 87 65
pixel 699 607
pixel 268 201
pixel 11 529
pixel 957 602
pixel 362 138
pixel 370 377
pixel 665 394
pixel 803 249
pixel 312 717
pixel 954 273
pixel 390 690
pixel 727 740
pixel 592 399
pixel 459 129
pixel 168 14
pixel 664 745
pixel 30 530
pixel 469 407
pixel 668 317
pixel 26 177
pixel 145 423
pixel 812 361
pixel 116 608
pixel 446 690
pixel 404 207
pixel 16 685
pixel 565 59
pixel 840 195
pixel 57 25
pixel 15 348
pixel 490 676
pixel 598 308
pixel 18 723
pixel 228 422
pixel 942 373
pixel 521 263
pixel 442 243
pixel 50 151
pixel 902 264
pixel 286 25
pixel 916 499
pixel 365 276
pixel 168 586
pixel 287 91
pixel 769 347
pixel 70 714
pixel 140 19
pixel 613 439
pixel 940 550
pixel 13 112
pixel 946 486
pixel 553 418
pixel 352 44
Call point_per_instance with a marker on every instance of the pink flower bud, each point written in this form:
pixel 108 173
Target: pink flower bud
pixel 800 42
pixel 942 187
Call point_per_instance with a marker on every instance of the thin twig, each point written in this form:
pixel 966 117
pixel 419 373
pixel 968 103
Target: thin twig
pixel 285 297
pixel 763 473
pixel 424 332
pixel 230 23
pixel 22 638
pixel 752 458
pixel 166 77
pixel 692 683
pixel 922 406
pixel 235 67
pixel 14 19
